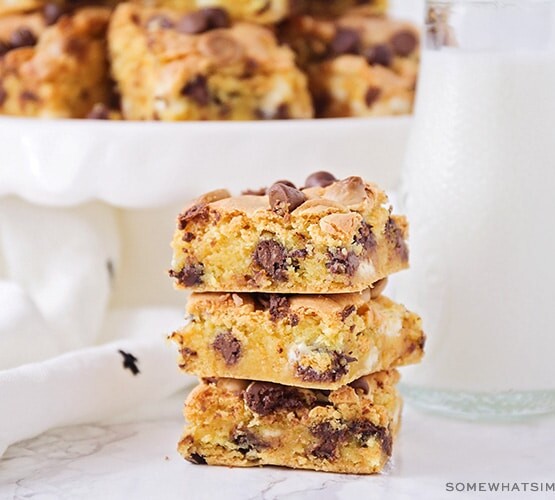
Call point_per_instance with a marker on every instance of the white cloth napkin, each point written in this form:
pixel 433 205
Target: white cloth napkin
pixel 92 384
pixel 56 267
pixel 60 342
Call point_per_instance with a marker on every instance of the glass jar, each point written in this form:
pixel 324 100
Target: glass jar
pixel 479 190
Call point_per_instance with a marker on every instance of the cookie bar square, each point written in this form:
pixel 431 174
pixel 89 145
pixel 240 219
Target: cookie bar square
pixel 254 11
pixel 347 86
pixel 314 341
pixel 358 64
pixel 198 66
pixel 329 237
pixel 244 424
pixel 381 40
pixel 53 67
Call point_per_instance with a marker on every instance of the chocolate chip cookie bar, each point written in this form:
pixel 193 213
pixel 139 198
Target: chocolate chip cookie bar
pixel 244 424
pixel 53 64
pixel 315 341
pixel 198 66
pixel 359 64
pixel 332 236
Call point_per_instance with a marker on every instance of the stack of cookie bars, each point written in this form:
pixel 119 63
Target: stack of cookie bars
pixel 205 59
pixel 295 345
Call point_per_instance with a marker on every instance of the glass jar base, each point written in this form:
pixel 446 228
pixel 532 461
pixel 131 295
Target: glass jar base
pixel 508 405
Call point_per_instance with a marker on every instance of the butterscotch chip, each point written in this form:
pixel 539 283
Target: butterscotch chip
pixel 350 429
pixel 54 64
pixel 198 66
pixel 337 238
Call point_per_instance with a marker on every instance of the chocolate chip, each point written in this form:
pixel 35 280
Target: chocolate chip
pixel 404 42
pixel 160 21
pixel 381 55
pixel 278 307
pixel 395 238
pixel 282 112
pixel 372 95
pixel 228 346
pixel 27 95
pixel 3 95
pixel 52 12
pixel 284 199
pixel 99 112
pixel 387 443
pixel 319 179
pixel 264 398
pixel 330 439
pixel 254 192
pixel 286 182
pixel 197 90
pixel 187 352
pixel 363 430
pixel 342 261
pixel 346 41
pixel 338 368
pixel 377 288
pixel 295 255
pixel 193 23
pixel 199 211
pixel 347 311
pixel 261 301
pixel 203 20
pixel 189 275
pixel 320 103
pixel 129 362
pixel 361 383
pixel 247 441
pixel 365 237
pixel 217 18
pixel 196 459
pixel 23 37
pixel 4 48
pixel 272 257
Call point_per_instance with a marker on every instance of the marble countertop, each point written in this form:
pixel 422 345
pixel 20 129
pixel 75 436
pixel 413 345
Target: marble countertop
pixel 126 459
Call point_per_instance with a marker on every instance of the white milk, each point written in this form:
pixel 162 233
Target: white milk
pixel 480 195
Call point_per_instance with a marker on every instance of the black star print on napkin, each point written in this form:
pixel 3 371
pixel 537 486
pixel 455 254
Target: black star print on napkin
pixel 129 362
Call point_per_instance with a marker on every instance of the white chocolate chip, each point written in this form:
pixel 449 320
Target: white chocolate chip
pixel 237 300
pixel 232 385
